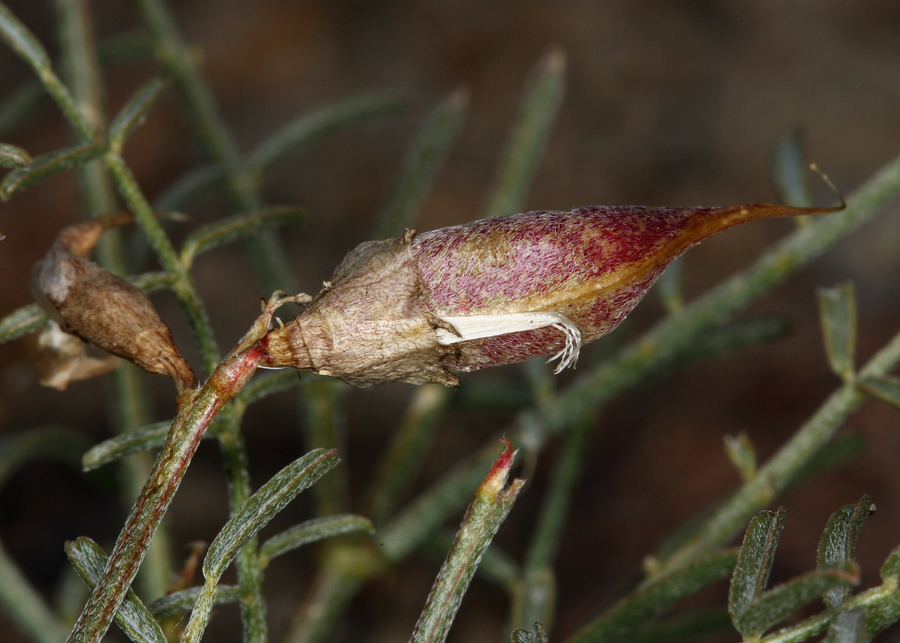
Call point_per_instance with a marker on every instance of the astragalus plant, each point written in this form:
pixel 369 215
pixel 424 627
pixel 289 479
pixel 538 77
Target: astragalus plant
pixel 425 308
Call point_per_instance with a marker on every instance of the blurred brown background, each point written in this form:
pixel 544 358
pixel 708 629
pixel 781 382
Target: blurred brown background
pixel 668 103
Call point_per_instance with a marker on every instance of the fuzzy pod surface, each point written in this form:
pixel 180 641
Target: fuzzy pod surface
pixel 494 291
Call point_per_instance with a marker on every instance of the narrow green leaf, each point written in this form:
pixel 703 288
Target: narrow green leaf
pixel 146 438
pixel 22 321
pixel 848 627
pixel 536 635
pixel 838 544
pixel 695 625
pixel 422 160
pixel 837 309
pixel 262 387
pixel 635 610
pixel 312 531
pixel 262 507
pixel 135 111
pixel 89 560
pixel 890 570
pixel 20 105
pixel 46 165
pixel 57 443
pixel 311 126
pixel 531 128
pixel 885 388
pixel 790 169
pixel 188 188
pixel 754 563
pixel 742 455
pixel 20 601
pixel 12 156
pixel 182 601
pixel 492 503
pixel 770 608
pixel 668 287
pixel 21 40
pixel 232 228
pixel 403 458
pixel 882 614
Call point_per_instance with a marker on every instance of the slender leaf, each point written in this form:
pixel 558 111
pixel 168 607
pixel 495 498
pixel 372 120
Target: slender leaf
pixel 690 626
pixel 312 531
pixel 492 503
pixel 146 438
pixel 12 156
pixel 231 228
pixel 754 563
pixel 47 165
pixel 669 287
pixel 262 387
pixel 403 458
pixel 20 105
pixel 531 128
pixel 848 627
pixel 423 159
pixel 262 507
pixel 188 188
pixel 183 601
pixel 57 443
pixel 884 387
pixel 89 560
pixel 135 111
pixel 770 608
pixel 890 570
pixel 635 610
pixel 838 544
pixel 791 171
pixel 21 40
pixel 309 127
pixel 23 604
pixel 837 308
pixel 742 455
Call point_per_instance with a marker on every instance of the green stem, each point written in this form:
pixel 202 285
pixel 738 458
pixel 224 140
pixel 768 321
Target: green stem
pixel 194 416
pixel 23 42
pixel 782 468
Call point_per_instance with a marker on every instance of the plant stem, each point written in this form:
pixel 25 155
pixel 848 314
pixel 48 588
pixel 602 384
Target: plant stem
pixel 195 414
pixel 783 467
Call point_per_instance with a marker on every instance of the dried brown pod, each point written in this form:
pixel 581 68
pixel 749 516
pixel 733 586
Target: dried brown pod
pixel 494 291
pixel 103 309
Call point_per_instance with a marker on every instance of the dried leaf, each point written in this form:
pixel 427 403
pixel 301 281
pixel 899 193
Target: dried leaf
pixel 103 309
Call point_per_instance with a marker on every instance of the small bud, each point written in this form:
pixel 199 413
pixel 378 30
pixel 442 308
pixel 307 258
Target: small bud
pixel 491 292
pixel 103 309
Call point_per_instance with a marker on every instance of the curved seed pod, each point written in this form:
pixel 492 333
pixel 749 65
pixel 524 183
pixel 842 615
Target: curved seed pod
pixel 103 309
pixel 494 291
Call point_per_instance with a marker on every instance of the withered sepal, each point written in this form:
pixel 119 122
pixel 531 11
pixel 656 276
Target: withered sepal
pixel 369 325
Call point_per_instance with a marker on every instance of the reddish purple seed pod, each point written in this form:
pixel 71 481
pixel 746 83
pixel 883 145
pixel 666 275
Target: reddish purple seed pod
pixel 491 292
